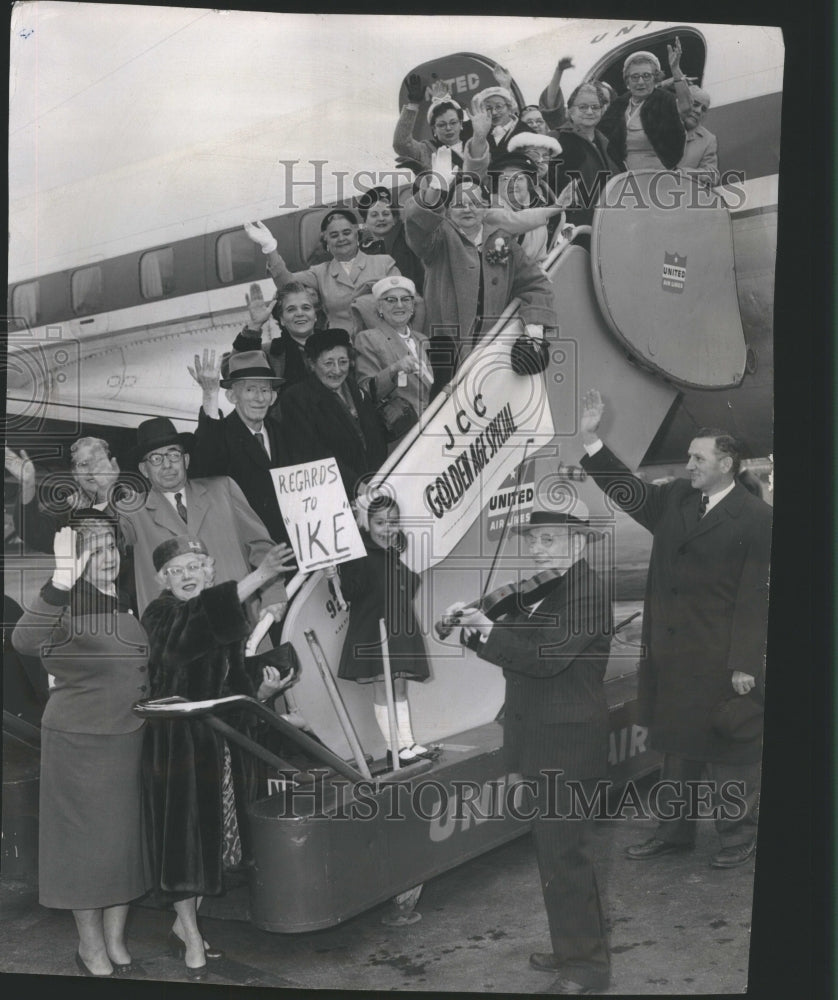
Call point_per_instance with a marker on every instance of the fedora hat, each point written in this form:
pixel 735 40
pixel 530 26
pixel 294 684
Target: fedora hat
pixel 576 517
pixel 157 433
pixel 739 718
pixel 249 364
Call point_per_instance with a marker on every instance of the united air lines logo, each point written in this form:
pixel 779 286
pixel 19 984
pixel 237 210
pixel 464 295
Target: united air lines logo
pixel 674 272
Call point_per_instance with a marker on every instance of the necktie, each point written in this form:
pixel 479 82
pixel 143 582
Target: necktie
pixel 179 505
pixel 261 442
pixel 702 505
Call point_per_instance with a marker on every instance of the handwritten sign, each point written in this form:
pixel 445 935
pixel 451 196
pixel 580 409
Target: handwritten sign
pixel 317 515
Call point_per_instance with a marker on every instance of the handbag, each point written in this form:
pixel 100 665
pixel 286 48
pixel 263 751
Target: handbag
pixel 396 413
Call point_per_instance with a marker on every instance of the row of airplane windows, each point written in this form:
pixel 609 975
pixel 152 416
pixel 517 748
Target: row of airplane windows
pixel 156 276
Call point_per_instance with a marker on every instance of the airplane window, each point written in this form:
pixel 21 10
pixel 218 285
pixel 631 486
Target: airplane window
pixel 234 257
pixel 26 304
pixel 692 60
pixel 310 232
pixel 157 273
pixel 87 290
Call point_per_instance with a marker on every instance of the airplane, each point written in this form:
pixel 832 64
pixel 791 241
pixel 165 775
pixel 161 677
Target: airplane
pixel 102 327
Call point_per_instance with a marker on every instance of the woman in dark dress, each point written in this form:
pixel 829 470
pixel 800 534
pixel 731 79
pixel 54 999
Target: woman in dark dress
pixel 197 635
pixel 328 416
pixel 90 838
pixel 381 586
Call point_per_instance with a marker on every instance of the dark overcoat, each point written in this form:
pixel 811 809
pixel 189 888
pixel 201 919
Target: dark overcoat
pixel 588 162
pixel 381 586
pixel 660 120
pixel 224 446
pixel 554 663
pixel 320 426
pixel 196 650
pixel 706 606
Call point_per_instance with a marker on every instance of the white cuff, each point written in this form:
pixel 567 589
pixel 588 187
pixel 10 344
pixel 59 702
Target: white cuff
pixel 592 449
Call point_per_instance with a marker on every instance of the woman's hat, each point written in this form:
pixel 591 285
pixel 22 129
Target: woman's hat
pixel 371 196
pixel 576 516
pixel 347 212
pixel 158 432
pixel 249 364
pixel 391 283
pixel 180 545
pixel 642 57
pixel 514 161
pixel 534 139
pixel 449 100
pixel 496 92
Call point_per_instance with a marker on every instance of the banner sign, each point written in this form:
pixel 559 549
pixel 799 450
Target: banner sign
pixel 317 515
pixel 471 444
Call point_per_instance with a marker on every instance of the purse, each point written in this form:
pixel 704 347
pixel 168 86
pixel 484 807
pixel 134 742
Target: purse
pixel 396 413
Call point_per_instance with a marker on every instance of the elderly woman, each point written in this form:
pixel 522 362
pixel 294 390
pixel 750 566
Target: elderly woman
pixel 586 163
pixel 473 269
pixel 90 838
pixel 466 140
pixel 643 126
pixel 515 187
pixel 196 633
pixel 331 416
pixel 392 358
pixel 383 232
pixel 502 110
pixel 295 310
pixel 349 273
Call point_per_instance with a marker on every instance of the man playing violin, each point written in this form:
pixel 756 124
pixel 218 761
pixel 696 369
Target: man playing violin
pixel 552 644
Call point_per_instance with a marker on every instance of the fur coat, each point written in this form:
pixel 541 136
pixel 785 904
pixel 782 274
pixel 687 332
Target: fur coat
pixel 661 123
pixel 196 650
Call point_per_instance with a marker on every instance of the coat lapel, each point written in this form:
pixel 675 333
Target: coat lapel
pixel 162 512
pixel 197 505
pixel 248 443
pixel 730 506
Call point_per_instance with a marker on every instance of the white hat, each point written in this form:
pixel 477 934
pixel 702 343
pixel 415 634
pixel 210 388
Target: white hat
pixel 496 92
pixel 447 99
pixel 390 283
pixel 535 139
pixel 642 57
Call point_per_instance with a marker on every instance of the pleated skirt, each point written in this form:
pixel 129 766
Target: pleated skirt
pixel 91 844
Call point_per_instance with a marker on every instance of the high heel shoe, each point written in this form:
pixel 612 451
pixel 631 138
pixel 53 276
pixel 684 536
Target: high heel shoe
pixel 177 949
pixel 83 969
pixel 132 968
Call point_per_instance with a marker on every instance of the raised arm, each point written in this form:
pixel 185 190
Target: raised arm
pixel 259 233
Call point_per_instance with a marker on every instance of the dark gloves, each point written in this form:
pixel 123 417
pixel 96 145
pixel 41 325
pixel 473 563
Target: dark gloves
pixel 415 89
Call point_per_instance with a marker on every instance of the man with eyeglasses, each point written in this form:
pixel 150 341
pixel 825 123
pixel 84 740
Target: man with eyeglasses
pixel 643 125
pixel 243 445
pixel 215 509
pixel 553 646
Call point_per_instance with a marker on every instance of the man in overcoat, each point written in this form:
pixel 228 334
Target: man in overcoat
pixel 553 649
pixel 244 444
pixel 701 679
pixel 213 508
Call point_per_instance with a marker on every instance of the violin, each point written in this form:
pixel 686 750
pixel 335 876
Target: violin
pixel 503 600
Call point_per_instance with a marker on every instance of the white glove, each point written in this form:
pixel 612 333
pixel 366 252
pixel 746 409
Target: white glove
pixel 535 330
pixel 260 234
pixel 68 565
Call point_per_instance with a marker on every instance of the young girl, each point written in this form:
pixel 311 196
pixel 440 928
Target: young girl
pixel 381 586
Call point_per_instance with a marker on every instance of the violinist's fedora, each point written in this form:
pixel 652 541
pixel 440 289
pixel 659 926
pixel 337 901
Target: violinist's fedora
pixel 576 516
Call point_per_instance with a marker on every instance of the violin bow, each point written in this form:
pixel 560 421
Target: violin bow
pixel 503 531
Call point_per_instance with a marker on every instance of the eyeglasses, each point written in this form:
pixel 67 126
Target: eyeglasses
pixel 637 77
pixel 545 540
pixel 157 458
pixel 176 572
pixel 402 300
pixel 534 121
pixel 587 107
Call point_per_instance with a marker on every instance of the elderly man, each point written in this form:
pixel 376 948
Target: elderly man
pixel 243 445
pixel 214 509
pixel 94 474
pixel 553 649
pixel 700 684
pixel 701 152
pixel 473 270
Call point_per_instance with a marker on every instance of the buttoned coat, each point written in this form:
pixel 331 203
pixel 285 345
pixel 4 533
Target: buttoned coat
pixel 323 428
pixel 381 347
pixel 701 155
pixel 554 663
pixel 706 606
pixel 337 289
pixel 219 515
pixel 225 446
pixel 452 278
